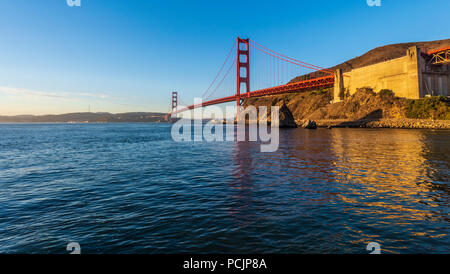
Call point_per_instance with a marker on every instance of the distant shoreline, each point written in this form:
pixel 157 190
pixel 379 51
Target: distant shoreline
pixel 381 124
pixel 76 123
pixel 88 117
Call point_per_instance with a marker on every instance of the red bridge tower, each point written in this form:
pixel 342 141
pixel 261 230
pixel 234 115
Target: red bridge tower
pixel 174 101
pixel 243 65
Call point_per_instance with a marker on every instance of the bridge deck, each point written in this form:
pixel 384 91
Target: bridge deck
pixel 438 50
pixel 321 82
pixel 440 56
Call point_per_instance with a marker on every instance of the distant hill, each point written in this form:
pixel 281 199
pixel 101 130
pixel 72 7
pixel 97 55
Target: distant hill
pixel 382 54
pixel 87 117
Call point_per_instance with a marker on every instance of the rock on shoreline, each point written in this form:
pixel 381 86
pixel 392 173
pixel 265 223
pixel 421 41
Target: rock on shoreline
pixel 308 124
pixel 387 123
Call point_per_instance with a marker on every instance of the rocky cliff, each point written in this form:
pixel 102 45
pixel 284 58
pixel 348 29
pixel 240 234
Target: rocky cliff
pixel 364 108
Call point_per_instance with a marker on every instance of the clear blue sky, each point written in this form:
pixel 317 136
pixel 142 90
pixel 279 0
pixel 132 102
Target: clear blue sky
pixel 121 55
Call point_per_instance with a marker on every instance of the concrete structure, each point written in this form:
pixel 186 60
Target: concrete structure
pixel 339 88
pixel 412 76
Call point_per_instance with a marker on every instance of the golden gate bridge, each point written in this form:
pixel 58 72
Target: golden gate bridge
pixel 272 74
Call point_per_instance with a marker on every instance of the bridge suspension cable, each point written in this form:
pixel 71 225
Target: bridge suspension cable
pixel 291 60
pixel 219 72
pixel 223 79
pixel 300 63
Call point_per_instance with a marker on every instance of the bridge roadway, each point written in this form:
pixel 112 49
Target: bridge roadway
pixel 320 82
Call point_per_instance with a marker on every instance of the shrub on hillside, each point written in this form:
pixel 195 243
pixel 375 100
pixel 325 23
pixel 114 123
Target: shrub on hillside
pixel 366 90
pixel 386 93
pixel 321 91
pixel 437 107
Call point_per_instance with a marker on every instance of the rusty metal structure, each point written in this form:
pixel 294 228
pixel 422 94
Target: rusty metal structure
pixel 440 56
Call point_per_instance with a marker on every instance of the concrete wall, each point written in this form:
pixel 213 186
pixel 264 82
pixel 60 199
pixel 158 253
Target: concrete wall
pixel 409 77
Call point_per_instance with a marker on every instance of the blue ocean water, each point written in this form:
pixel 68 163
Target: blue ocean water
pixel 128 188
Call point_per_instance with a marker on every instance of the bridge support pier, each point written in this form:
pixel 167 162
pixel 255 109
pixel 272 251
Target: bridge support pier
pixel 338 86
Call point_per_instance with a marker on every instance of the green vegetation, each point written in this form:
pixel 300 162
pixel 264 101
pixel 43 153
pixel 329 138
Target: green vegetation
pixel 367 90
pixel 437 107
pixel 386 93
pixel 321 91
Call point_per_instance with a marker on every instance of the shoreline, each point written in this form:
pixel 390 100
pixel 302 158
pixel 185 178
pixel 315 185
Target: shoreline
pixel 401 123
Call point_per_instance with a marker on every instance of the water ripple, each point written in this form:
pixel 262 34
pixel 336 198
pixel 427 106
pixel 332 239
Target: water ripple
pixel 128 188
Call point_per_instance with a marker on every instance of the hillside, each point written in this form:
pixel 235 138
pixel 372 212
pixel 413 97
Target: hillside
pixel 86 117
pixel 365 104
pixel 382 54
pixel 364 108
